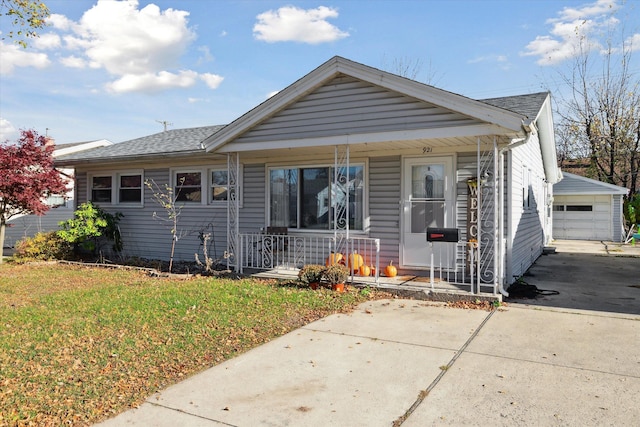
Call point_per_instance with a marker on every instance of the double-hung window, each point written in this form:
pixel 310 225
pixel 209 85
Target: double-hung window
pixel 130 188
pixel 314 198
pixel 117 188
pixel 101 187
pixel 219 185
pixel 188 186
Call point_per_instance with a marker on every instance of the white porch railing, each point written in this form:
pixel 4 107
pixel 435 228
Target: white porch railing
pixel 286 252
pixel 456 263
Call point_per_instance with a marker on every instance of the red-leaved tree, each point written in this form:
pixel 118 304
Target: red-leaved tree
pixel 27 178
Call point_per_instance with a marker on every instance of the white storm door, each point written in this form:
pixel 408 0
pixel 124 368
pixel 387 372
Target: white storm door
pixel 428 196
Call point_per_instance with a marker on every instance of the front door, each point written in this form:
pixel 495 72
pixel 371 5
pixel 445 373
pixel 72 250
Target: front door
pixel 428 201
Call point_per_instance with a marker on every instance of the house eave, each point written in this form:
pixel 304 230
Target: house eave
pixel 131 158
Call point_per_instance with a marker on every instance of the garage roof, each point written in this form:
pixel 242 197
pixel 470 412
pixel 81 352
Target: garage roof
pixel 573 184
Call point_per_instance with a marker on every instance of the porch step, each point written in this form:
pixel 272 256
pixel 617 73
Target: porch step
pixel 549 250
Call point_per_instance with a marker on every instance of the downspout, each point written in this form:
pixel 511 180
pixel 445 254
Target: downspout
pixel 530 129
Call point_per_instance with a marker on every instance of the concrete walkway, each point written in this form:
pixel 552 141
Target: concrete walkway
pixel 422 363
pixel 568 359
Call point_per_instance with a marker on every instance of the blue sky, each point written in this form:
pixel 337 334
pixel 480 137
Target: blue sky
pixel 113 69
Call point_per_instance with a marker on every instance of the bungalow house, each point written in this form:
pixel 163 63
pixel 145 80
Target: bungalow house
pixel 61 208
pixel 347 159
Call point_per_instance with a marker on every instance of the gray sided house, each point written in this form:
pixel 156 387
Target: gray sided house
pixel 587 209
pixel 347 159
pixel 61 208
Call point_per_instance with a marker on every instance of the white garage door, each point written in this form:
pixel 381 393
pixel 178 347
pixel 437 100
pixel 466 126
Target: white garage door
pixel 582 217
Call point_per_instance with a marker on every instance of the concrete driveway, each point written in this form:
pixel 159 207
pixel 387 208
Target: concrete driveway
pixel 417 363
pixel 589 276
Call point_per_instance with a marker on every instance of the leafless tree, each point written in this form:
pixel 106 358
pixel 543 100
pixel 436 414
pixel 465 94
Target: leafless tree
pixel 599 117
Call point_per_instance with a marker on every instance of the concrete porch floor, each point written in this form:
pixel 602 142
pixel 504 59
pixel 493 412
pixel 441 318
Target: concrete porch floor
pixel 413 286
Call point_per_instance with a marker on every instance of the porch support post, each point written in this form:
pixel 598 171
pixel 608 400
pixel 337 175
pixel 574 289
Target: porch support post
pixel 497 253
pixel 232 253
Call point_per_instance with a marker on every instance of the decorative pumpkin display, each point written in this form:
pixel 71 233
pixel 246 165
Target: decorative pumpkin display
pixel 334 258
pixel 355 261
pixel 365 270
pixel 390 270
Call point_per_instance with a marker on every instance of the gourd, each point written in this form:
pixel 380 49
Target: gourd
pixel 334 258
pixel 390 270
pixel 355 261
pixel 365 270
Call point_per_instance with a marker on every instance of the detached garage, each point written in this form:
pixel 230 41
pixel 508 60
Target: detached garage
pixel 586 209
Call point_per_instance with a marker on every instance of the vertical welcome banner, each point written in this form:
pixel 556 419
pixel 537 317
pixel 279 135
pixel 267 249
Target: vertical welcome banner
pixel 472 218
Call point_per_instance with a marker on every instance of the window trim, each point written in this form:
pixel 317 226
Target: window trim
pixel 115 187
pixel 206 184
pixel 308 165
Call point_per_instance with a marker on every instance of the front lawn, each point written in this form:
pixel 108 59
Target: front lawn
pixel 79 344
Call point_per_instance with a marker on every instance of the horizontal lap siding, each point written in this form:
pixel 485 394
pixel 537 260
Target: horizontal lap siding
pixel 346 106
pixel 252 214
pixel 526 224
pixel 148 237
pixel 28 225
pixel 384 205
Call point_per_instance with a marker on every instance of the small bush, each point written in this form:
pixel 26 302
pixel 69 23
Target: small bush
pixel 43 246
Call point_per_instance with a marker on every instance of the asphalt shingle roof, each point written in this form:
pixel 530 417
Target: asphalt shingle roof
pixel 528 105
pixel 189 140
pixel 168 142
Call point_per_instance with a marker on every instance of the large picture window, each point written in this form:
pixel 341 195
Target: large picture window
pixel 308 198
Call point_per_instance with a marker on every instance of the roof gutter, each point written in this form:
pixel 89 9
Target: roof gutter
pixel 530 129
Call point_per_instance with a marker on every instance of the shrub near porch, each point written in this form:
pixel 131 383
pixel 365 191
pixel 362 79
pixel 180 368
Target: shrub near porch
pixel 79 344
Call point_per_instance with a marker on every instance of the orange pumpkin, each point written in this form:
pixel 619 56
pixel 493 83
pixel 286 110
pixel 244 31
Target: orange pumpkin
pixel 365 270
pixel 334 258
pixel 355 261
pixel 390 270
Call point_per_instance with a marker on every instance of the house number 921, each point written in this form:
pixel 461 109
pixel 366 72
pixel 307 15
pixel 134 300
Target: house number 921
pixel 426 150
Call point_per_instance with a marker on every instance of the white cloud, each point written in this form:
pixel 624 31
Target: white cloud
pixel 633 42
pixel 7 131
pixel 153 82
pixel 125 40
pixel 47 41
pixel 140 47
pixel 74 62
pixel 60 22
pixel 14 56
pixel 575 30
pixel 211 80
pixel 290 23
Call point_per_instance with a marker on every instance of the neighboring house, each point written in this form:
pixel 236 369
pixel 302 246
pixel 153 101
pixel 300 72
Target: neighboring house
pixel 22 226
pixel 347 155
pixel 587 209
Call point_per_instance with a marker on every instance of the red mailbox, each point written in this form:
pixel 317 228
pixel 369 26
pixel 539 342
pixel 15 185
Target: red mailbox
pixel 443 235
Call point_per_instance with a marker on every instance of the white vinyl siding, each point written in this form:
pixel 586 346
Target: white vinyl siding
pixel 384 206
pixel 345 105
pixel 526 223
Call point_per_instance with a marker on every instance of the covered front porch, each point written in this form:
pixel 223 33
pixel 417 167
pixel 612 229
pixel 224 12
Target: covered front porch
pixel 466 265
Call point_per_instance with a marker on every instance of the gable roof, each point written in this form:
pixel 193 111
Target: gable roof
pixel 573 184
pixel 75 147
pixel 529 105
pixel 494 116
pixel 174 141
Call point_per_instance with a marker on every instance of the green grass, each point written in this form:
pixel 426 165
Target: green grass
pixel 78 344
